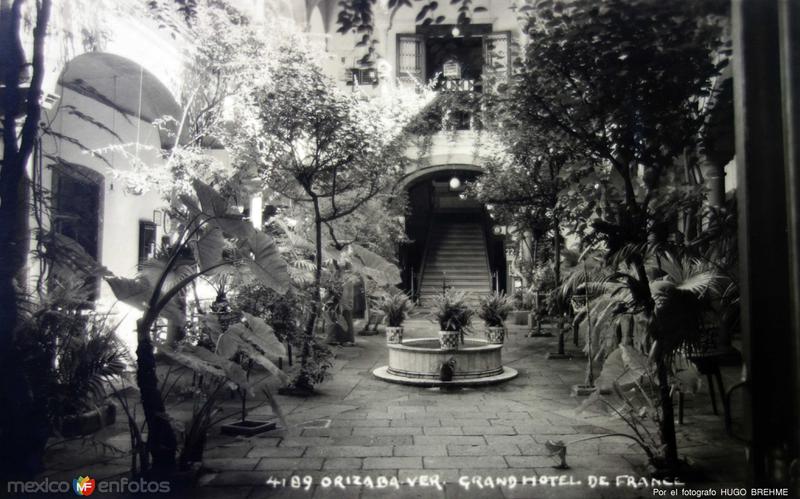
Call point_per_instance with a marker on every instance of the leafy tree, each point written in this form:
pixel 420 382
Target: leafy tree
pixel 224 56
pixel 25 27
pixel 622 83
pixel 318 146
pixel 521 184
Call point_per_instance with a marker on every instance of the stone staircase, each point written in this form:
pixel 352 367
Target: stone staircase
pixel 457 258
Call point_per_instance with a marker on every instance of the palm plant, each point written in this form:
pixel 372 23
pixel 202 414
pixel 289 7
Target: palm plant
pixel 452 312
pixel 69 353
pixel 395 305
pixel 667 311
pixel 494 308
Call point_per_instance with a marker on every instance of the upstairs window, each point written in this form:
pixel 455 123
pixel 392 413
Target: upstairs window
pixel 478 51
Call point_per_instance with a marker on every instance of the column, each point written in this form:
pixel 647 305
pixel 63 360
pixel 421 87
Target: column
pixel 768 268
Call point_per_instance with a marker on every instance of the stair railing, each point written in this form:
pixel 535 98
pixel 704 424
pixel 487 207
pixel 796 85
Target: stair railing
pixel 413 287
pixel 486 255
pixel 425 257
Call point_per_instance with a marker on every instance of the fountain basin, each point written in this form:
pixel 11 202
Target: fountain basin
pixel 419 362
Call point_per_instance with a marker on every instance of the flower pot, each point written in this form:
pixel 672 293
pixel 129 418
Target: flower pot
pixel 495 334
pixel 394 334
pixel 448 340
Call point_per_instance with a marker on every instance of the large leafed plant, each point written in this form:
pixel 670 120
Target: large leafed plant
pixel 200 250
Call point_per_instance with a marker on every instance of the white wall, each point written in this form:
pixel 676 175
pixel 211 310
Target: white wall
pixel 121 210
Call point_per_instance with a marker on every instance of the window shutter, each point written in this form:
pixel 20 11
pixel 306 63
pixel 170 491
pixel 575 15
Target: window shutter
pixel 411 57
pixel 497 56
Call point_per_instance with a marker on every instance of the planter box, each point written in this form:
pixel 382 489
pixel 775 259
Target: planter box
pixel 89 422
pixel 519 318
pixel 247 428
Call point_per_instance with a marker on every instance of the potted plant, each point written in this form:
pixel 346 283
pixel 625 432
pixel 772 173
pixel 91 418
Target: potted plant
pixel 70 354
pixel 454 317
pixel 494 309
pixel 395 305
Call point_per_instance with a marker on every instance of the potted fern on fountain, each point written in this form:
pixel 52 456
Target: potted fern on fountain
pixel 395 305
pixel 494 309
pixel 454 317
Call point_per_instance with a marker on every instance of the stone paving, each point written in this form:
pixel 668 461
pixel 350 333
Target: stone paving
pixel 358 426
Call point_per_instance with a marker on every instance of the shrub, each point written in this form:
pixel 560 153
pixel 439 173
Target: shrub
pixel 395 305
pixel 452 312
pixel 494 309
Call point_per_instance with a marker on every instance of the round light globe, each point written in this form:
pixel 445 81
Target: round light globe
pixel 455 183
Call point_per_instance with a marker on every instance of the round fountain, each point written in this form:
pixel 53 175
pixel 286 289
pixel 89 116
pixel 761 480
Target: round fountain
pixel 419 362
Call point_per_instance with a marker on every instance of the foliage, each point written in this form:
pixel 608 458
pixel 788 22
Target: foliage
pixel 201 240
pixel 68 353
pixel 522 300
pixel 224 54
pixel 318 146
pixel 521 188
pixel 279 311
pixel 627 388
pixel 313 143
pixel 590 93
pixel 452 311
pixel 395 306
pixel 622 85
pixel 671 327
pixel 317 369
pixel 494 309
pixel 448 111
pixel 230 360
pixel 358 17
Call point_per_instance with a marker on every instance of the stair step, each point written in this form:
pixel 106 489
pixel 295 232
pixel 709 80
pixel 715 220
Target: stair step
pixel 454 275
pixel 446 258
pixel 453 240
pixel 473 269
pixel 453 279
pixel 476 250
pixel 437 288
pixel 467 288
pixel 455 261
pixel 456 256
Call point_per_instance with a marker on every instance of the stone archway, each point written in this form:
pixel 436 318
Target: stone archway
pixel 451 238
pixel 416 175
pixel 109 105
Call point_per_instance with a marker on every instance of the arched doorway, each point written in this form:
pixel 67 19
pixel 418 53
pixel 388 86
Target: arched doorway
pixel 108 105
pixel 452 242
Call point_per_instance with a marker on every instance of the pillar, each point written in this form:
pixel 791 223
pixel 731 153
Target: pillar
pixel 714 174
pixel 768 222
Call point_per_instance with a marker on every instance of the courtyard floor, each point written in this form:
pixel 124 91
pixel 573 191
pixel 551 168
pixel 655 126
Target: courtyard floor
pixel 359 426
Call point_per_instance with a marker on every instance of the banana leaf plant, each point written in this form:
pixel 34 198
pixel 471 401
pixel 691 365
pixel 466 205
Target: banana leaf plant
pixel 210 223
pixel 229 362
